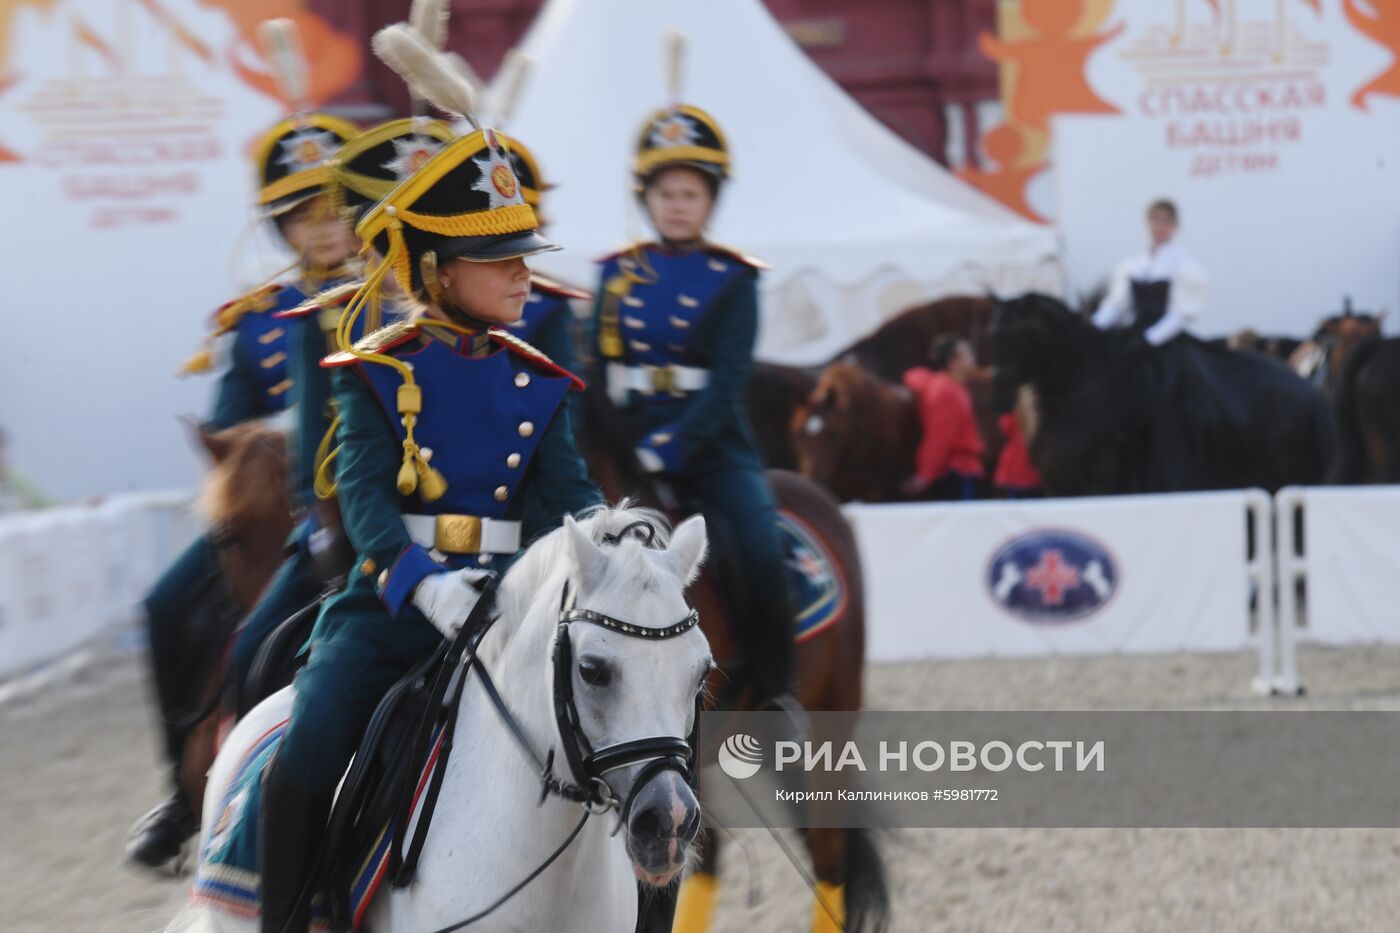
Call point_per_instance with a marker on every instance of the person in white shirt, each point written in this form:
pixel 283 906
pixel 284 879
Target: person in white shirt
pixel 1158 292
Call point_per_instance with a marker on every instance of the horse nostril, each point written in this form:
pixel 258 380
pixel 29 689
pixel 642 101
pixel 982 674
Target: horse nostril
pixel 647 824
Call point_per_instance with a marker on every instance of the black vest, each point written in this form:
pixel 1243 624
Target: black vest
pixel 1149 302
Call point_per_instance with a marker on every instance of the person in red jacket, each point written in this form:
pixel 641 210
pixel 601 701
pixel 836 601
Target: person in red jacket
pixel 948 463
pixel 1016 476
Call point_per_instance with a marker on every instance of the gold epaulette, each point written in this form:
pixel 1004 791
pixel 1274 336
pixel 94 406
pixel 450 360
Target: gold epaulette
pixel 255 302
pixel 534 355
pixel 386 338
pixel 624 250
pixel 326 298
pixel 738 255
pixel 524 348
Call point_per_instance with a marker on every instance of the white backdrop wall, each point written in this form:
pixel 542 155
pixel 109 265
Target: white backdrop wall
pixel 124 215
pixel 1288 181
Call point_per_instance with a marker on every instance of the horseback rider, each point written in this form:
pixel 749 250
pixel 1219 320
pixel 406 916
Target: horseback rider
pixel 291 172
pixel 674 327
pixel 1160 291
pixel 366 168
pixel 432 502
pixel 1164 290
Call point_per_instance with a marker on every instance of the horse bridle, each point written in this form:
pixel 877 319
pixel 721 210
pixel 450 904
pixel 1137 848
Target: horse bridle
pixel 589 767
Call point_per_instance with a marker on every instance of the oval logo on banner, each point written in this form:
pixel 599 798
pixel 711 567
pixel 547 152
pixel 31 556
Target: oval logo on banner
pixel 1052 576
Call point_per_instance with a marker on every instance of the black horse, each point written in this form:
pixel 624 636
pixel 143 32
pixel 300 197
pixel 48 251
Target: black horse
pixel 1366 397
pixel 1120 416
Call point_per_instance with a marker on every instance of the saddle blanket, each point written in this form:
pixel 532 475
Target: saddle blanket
pixel 227 878
pixel 817 586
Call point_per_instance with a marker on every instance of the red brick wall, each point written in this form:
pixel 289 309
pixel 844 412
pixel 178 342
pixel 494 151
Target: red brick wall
pixel 905 60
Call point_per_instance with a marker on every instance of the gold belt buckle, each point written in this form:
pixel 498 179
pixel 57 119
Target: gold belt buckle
pixel 663 379
pixel 457 534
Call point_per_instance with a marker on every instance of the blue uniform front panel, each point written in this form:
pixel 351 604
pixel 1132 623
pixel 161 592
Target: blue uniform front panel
pixel 658 316
pixel 482 418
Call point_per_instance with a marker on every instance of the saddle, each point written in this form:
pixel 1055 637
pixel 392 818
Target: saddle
pixel 394 778
pixel 278 658
pixel 398 767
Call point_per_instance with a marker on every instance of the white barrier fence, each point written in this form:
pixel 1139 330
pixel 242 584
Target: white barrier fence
pixel 1339 569
pixel 68 574
pixel 1121 574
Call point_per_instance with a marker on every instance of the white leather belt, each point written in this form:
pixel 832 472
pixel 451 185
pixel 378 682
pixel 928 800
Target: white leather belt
pixel 654 380
pixel 463 534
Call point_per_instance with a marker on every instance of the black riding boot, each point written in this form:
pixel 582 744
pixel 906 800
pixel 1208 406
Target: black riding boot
pixel 158 837
pixel 290 829
pixel 769 648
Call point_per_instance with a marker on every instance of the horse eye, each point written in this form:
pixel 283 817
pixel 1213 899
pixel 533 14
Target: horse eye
pixel 815 424
pixel 594 672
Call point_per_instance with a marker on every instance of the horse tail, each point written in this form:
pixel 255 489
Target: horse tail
pixel 867 889
pixel 1350 465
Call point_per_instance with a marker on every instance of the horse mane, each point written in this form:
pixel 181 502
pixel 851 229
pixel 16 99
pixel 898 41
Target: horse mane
pixel 249 484
pixel 540 569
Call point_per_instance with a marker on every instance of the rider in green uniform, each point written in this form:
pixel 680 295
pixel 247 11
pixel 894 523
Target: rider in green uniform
pixel 432 501
pixel 256 383
pixel 674 327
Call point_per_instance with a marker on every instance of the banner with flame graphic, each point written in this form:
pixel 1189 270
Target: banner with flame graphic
pixel 125 128
pixel 1273 123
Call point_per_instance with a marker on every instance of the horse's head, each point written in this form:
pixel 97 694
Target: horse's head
pixel 246 502
pixel 1036 340
pixel 1351 331
pixel 627 668
pixel 824 427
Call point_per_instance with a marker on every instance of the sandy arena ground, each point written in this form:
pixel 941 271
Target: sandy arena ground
pixel 79 765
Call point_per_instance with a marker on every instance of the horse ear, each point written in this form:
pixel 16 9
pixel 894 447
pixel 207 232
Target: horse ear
pixel 588 557
pixel 688 546
pixel 215 444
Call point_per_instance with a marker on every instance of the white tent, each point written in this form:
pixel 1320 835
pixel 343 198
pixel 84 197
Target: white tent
pixel 857 224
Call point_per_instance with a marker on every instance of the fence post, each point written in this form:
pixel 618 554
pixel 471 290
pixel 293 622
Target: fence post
pixel 1290 506
pixel 1259 567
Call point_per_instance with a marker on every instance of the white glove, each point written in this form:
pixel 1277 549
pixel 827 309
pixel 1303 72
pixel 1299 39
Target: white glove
pixel 650 460
pixel 447 598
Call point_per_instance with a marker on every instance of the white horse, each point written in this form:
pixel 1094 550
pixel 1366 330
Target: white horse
pixel 489 831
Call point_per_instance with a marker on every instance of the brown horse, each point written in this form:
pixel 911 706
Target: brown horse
pixel 856 435
pixel 1321 358
pixel 829 676
pixel 247 505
